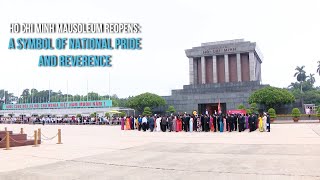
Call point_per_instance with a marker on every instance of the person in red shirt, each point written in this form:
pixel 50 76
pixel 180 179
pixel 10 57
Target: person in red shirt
pixel 179 124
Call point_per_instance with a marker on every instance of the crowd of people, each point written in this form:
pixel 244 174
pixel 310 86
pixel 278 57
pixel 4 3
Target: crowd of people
pixel 173 123
pixel 198 123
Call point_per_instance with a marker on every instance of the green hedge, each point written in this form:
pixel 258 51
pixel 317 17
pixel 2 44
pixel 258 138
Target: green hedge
pixel 290 115
pixel 296 112
pixel 272 113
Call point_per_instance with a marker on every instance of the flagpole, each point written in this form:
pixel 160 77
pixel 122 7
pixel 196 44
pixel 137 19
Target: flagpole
pixel 87 91
pixel 18 93
pixel 67 89
pixel 109 85
pixel 219 107
pixel 4 93
pixel 32 92
pixel 49 91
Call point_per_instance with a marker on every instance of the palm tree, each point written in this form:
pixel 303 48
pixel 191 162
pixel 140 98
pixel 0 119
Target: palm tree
pixel 318 70
pixel 294 85
pixel 311 79
pixel 301 75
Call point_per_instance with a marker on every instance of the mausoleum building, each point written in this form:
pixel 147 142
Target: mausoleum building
pixel 223 71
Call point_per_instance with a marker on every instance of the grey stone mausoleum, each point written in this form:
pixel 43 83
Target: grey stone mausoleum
pixel 225 71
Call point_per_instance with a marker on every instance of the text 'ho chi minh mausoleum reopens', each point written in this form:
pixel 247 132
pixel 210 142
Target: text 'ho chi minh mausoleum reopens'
pixel 225 71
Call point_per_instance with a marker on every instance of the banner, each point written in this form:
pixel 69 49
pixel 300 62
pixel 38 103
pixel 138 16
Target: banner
pixel 59 105
pixel 237 111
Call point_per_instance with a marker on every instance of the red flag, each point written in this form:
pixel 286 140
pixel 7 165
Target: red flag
pixel 219 108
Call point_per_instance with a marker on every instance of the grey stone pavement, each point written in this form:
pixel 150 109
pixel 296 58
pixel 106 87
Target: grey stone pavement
pixel 290 151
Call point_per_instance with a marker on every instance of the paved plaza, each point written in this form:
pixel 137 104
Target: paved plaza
pixel 289 151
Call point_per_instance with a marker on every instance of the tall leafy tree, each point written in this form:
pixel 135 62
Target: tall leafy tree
pixel 241 106
pixel 300 75
pixel 294 85
pixel 147 111
pixel 311 79
pixel 318 69
pixel 254 107
pixel 171 109
pixel 7 97
pixel 145 100
pixel 25 93
pixel 271 97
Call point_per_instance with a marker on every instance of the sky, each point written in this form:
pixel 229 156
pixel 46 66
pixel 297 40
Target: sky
pixel 287 33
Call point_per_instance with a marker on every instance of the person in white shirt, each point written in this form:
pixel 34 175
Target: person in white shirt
pixel 158 120
pixel 307 111
pixel 264 121
pixel 144 123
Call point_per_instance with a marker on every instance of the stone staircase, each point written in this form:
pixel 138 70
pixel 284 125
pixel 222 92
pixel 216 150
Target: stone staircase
pixel 16 139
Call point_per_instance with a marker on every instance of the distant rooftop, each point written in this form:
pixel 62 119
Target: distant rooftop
pixel 223 42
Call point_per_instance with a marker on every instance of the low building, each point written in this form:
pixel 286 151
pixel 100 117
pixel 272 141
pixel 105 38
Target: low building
pixel 60 109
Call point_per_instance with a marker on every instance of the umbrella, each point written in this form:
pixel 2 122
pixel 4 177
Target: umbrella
pixel 114 112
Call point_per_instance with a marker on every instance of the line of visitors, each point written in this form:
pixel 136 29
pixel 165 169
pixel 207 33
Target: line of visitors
pixel 198 123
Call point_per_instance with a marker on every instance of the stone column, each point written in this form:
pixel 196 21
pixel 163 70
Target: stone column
pixel 226 67
pixel 203 70
pixel 252 66
pixel 191 71
pixel 239 67
pixel 195 71
pixel 214 69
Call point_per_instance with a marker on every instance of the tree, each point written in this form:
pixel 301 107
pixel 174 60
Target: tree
pixel 301 75
pixel 271 97
pixel 147 111
pixel 122 102
pixel 93 114
pixel 25 93
pixel 318 69
pixel 42 96
pixel 241 106
pixel 295 89
pixel 318 113
pixel 294 85
pixel 7 97
pixel 254 107
pixel 171 109
pixel 272 113
pixel 145 100
pixel 122 114
pixel 107 114
pixel 311 80
pixel 93 96
pixel 312 97
pixel 33 91
pixel 296 112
